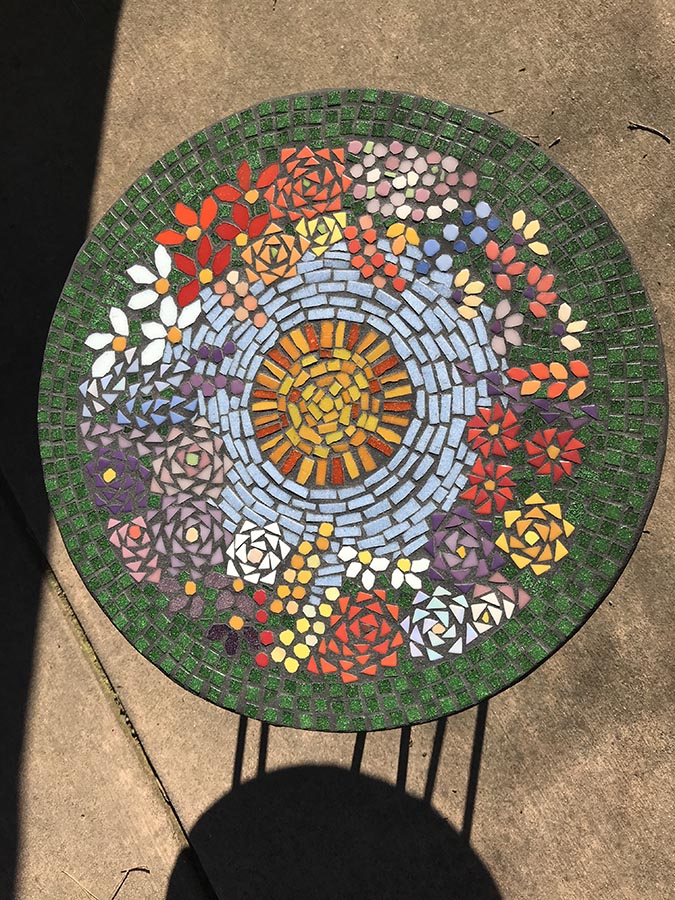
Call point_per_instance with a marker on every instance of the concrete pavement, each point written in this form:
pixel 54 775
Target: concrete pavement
pixel 574 799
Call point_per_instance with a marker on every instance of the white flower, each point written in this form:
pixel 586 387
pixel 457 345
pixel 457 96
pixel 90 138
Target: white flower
pixel 159 279
pixel 117 343
pixel 569 340
pixel 406 570
pixel 256 552
pixel 362 563
pixel 169 329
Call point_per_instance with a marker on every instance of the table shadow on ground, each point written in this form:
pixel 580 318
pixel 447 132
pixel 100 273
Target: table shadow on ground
pixel 315 831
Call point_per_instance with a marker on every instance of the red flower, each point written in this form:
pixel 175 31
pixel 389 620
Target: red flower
pixel 365 256
pixel 311 183
pixel 539 291
pixel 363 636
pixel 229 193
pixel 503 264
pixel 195 223
pixel 489 483
pixel 208 268
pixel 243 227
pixel 554 452
pixel 493 431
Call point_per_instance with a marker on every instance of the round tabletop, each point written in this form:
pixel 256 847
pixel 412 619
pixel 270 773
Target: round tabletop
pixel 352 410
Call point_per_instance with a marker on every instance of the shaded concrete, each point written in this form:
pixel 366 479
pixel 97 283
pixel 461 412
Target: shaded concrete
pixel 89 804
pixel 54 71
pixel 574 797
pixel 320 832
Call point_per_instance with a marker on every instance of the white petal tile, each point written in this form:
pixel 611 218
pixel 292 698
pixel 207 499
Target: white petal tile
pixel 347 553
pixel 153 330
pixel 168 311
pixel 353 570
pixel 97 340
pixel 119 321
pixel 142 299
pixel 103 364
pixel 141 275
pixel 153 352
pixel 162 261
pixel 190 314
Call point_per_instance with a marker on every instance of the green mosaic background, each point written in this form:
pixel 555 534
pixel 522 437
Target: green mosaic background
pixel 607 501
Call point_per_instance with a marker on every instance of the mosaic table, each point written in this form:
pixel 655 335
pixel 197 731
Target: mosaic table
pixel 352 410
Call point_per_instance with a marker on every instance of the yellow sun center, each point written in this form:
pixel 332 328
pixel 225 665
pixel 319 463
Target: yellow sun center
pixel 327 399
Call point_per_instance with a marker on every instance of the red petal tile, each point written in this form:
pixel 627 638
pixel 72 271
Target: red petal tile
pixel 207 213
pixel 227 193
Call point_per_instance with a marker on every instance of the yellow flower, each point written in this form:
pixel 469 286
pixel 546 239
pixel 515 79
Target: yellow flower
pixel 528 230
pixel 468 295
pixel 532 537
pixel 569 340
pixel 322 231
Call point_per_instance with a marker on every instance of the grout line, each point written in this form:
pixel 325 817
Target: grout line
pixel 14 508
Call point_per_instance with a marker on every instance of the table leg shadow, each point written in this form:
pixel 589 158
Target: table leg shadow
pixel 323 831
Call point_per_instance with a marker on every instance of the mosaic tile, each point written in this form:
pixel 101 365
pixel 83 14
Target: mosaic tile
pixel 352 410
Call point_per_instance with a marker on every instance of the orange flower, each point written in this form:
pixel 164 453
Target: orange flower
pixel 310 183
pixel 538 292
pixel 555 376
pixel 274 255
pixel 504 264
pixel 533 537
pixel 363 635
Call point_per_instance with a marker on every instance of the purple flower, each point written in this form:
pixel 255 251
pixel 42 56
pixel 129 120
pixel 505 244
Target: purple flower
pixel 191 535
pixel 232 637
pixel 119 481
pixel 462 548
